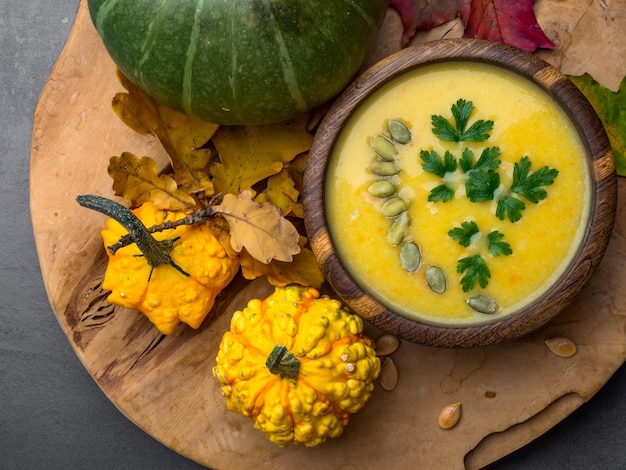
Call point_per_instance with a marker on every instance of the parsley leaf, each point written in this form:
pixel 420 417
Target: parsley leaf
pixel 528 185
pixel 435 165
pixel 443 193
pixel 461 112
pixel 464 233
pixel 481 185
pixel 497 246
pixel 466 162
pixel 475 269
pixel 511 208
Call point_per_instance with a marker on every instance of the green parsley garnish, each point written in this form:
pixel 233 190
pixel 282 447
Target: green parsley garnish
pixel 527 185
pixel 464 233
pixel 497 246
pixel 434 164
pixel 475 269
pixel 488 160
pixel 481 185
pixel 461 112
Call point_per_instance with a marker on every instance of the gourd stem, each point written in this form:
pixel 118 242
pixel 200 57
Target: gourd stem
pixel 157 252
pixel 282 362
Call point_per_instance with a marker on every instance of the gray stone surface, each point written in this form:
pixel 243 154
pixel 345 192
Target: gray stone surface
pixel 52 414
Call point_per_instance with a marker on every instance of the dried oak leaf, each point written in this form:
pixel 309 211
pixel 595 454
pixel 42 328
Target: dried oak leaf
pixel 249 154
pixel 281 191
pixel 259 228
pixel 183 137
pixel 611 108
pixel 511 22
pixel 303 270
pixel 137 180
pixel 424 15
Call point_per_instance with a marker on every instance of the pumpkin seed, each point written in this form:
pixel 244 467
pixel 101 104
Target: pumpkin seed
pixel 384 148
pixel 483 304
pixel 382 188
pixel 449 416
pixel 392 207
pixel 399 131
pixel 436 279
pixel 397 230
pixel 383 168
pixel 387 344
pixel 561 346
pixel 388 378
pixel 410 256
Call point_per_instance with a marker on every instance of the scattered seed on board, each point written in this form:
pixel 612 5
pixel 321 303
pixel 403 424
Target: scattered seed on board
pixel 410 256
pixel 384 148
pixel 388 378
pixel 436 279
pixel 383 168
pixel 398 229
pixel 449 416
pixel 382 188
pixel 392 207
pixel 483 304
pixel 399 131
pixel 387 344
pixel 561 346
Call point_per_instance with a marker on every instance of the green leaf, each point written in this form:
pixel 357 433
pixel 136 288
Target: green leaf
pixel 481 185
pixel 461 111
pixel 435 165
pixel 443 193
pixel 529 185
pixel 463 234
pixel 443 129
pixel 488 159
pixel 497 246
pixel 510 207
pixel 611 108
pixel 475 269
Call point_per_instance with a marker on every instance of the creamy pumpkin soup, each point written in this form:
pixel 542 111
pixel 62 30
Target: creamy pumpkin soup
pixel 457 193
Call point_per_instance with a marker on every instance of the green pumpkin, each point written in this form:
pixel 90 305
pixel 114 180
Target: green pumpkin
pixel 239 61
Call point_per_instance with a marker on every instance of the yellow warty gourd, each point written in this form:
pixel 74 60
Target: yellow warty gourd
pixel 166 295
pixel 298 364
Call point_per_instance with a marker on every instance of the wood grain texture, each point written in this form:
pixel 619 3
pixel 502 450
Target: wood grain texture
pixel 602 169
pixel 510 393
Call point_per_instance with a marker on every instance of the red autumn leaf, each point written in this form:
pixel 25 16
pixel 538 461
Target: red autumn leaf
pixel 511 22
pixel 424 15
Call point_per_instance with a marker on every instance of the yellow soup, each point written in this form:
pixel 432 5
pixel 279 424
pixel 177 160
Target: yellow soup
pixel 517 253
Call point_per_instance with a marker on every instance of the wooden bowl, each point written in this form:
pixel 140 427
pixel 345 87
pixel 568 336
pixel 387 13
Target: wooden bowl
pixel 575 275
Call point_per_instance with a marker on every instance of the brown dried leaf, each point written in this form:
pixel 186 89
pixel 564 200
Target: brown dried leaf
pixel 259 228
pixel 137 180
pixel 303 270
pixel 249 154
pixel 182 136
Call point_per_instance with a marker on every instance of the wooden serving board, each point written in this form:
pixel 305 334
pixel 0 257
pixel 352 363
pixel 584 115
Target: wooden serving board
pixel 510 393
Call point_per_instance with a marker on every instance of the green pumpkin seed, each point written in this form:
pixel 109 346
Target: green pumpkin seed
pixel 384 148
pixel 399 131
pixel 397 230
pixel 483 304
pixel 383 168
pixel 436 280
pixel 392 207
pixel 410 256
pixel 382 188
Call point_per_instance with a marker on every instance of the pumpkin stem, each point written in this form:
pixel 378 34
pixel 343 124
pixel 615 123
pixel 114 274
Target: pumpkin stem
pixel 282 362
pixel 157 252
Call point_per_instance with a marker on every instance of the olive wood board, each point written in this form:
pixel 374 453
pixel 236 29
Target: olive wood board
pixel 510 393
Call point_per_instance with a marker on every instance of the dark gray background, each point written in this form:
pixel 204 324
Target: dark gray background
pixel 52 414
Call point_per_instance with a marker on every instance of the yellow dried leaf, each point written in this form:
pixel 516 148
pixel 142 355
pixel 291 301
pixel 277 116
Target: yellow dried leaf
pixel 303 270
pixel 249 154
pixel 183 137
pixel 259 228
pixel 281 192
pixel 137 180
